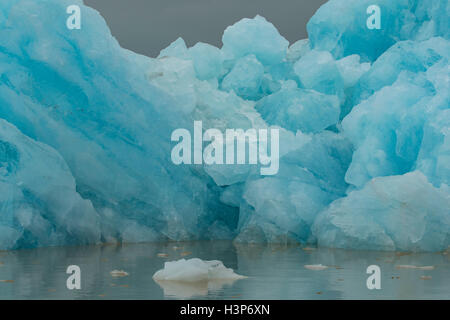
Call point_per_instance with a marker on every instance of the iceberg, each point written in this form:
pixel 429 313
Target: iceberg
pixel 195 270
pixel 363 118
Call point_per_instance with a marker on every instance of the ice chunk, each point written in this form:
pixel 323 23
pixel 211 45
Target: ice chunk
pixel 245 78
pixel 316 267
pixel 318 70
pixel 387 129
pixel 351 69
pixel 434 155
pixel 255 36
pixel 404 213
pixel 176 49
pixel 411 56
pixel 118 273
pixel 208 61
pixel 401 124
pixel 299 109
pixel 282 208
pixel 39 203
pixel 400 20
pixel 297 50
pixel 407 266
pixel 176 77
pixel 194 270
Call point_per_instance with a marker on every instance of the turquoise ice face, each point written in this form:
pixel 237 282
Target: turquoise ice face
pixel 341 27
pixel 85 130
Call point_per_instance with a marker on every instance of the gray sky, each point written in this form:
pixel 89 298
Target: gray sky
pixel 147 26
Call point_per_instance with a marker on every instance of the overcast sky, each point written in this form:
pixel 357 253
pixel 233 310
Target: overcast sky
pixel 147 26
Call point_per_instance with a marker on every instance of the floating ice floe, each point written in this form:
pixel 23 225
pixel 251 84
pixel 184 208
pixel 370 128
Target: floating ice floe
pixel 316 267
pixel 119 273
pixel 195 270
pixel 162 255
pixel 407 266
pixel 185 279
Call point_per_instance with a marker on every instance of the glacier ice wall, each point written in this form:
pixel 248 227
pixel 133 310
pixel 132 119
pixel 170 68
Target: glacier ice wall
pixel 364 118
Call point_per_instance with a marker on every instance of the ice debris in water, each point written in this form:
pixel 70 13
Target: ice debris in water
pixel 363 117
pixel 119 273
pixel 316 267
pixel 407 266
pixel 194 270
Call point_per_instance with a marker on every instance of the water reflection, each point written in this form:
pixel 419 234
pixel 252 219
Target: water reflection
pixel 274 272
pixel 192 290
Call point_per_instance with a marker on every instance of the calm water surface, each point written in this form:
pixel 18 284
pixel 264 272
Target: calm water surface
pixel 274 272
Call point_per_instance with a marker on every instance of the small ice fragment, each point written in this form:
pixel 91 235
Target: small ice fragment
pixel 119 273
pixel 162 255
pixel 194 270
pixel 315 267
pixel 426 268
pixel 400 254
pixel 407 266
